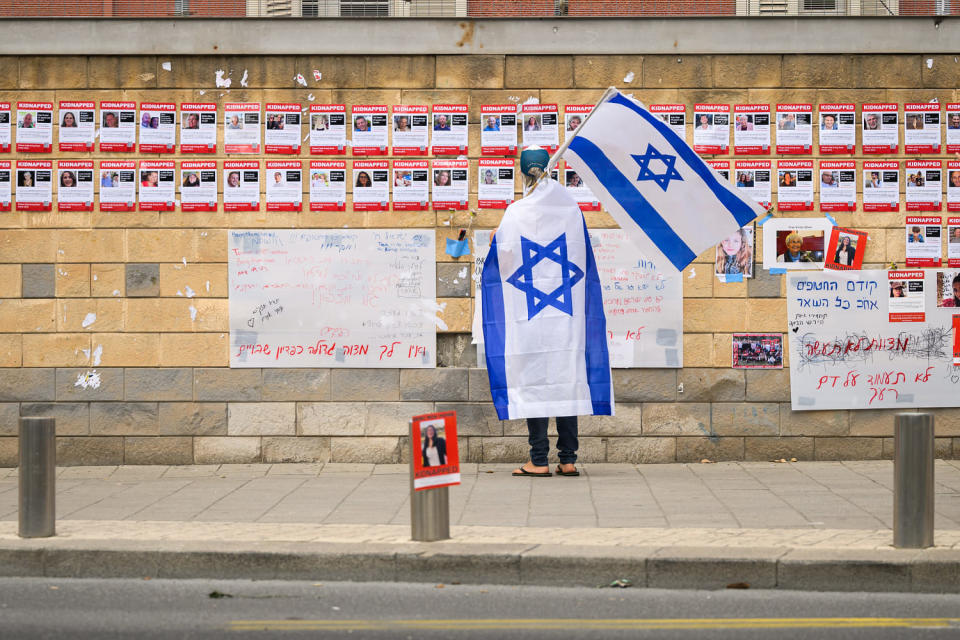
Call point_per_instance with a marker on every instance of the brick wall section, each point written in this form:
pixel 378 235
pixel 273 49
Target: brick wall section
pixel 167 396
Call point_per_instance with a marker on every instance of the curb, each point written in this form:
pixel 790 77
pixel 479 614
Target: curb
pixel 882 570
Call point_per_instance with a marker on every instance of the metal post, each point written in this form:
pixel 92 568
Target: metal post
pixel 38 466
pixel 429 510
pixel 913 481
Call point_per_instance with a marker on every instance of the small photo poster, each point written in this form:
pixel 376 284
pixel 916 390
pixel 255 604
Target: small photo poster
pixel 540 126
pixel 956 339
pixel 284 185
pixel 75 185
pixel 411 133
pixel 241 185
pixel 753 176
pixel 34 128
pixel 371 185
pixel 450 129
pixel 34 185
pixel 282 133
pixel 924 245
pixel 118 126
pixel 953 185
pixel 906 299
pixel 711 128
pixel 838 128
pixel 495 184
pixel 241 127
pixel 794 129
pixel 198 127
pixel 451 184
pixel 118 185
pixel 328 129
pixel 846 249
pixel 881 128
pixel 948 289
pixel 758 351
pixel 78 122
pixel 953 127
pixel 579 190
pixel 921 127
pixel 158 127
pixel 6 184
pixel 198 185
pixel 795 185
pixel 328 185
pixel 881 185
pixel 735 256
pixel 370 129
pixel 673 115
pixel 924 185
pixel 574 115
pixel 436 460
pixel 158 185
pixel 498 130
pixel 5 138
pixel 411 185
pixel 953 241
pixel 751 129
pixel 722 167
pixel 838 185
pixel 795 243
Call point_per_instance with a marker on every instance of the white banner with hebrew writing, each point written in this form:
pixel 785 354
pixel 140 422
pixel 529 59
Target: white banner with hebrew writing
pixel 845 353
pixel 333 298
pixel 643 304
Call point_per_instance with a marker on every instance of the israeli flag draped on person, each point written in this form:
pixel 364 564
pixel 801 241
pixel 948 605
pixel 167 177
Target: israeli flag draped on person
pixel 545 333
pixel 672 205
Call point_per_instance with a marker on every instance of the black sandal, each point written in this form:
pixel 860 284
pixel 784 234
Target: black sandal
pixel 533 474
pixel 561 472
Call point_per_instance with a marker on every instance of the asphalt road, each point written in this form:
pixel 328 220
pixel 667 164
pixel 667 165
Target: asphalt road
pixel 181 609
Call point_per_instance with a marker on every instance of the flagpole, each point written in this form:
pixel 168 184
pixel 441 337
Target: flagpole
pixel 555 158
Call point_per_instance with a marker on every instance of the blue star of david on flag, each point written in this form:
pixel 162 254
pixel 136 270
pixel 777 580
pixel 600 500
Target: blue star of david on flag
pixel 560 298
pixel 646 173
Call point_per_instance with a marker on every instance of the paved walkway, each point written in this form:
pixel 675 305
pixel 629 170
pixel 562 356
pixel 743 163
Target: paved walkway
pixel 735 495
pixel 806 525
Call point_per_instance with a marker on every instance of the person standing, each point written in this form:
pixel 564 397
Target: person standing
pixel 546 345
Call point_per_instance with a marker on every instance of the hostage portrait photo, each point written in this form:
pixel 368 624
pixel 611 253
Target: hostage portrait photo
pixel 433 443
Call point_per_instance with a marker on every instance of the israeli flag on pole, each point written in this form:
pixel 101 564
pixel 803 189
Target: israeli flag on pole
pixel 669 201
pixel 545 332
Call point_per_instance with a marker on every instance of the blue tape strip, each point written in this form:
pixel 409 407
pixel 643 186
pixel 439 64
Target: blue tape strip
pixel 764 219
pixel 831 219
pixel 733 277
pixel 778 271
pixel 458 248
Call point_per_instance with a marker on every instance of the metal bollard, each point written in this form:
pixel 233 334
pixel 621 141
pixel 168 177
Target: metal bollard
pixel 38 466
pixel 429 512
pixel 913 481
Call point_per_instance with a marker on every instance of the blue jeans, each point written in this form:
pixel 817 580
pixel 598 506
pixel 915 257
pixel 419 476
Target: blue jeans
pixel 567 443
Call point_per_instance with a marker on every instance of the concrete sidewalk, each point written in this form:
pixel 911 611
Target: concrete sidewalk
pixel 809 525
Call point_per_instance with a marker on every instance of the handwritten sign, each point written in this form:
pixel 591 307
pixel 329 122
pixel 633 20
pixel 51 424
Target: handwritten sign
pixel 846 354
pixel 643 303
pixel 332 298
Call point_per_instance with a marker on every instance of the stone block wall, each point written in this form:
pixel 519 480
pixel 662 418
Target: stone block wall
pixel 147 384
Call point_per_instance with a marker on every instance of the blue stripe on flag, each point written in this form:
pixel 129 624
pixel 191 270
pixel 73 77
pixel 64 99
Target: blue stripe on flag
pixel 596 355
pixel 636 206
pixel 739 209
pixel 494 330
